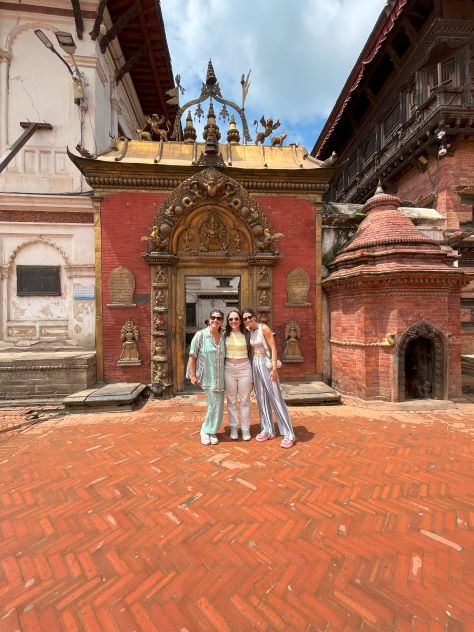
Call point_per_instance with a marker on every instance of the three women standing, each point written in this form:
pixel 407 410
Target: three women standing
pixel 217 360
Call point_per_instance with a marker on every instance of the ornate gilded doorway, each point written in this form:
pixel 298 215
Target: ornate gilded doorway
pixel 209 226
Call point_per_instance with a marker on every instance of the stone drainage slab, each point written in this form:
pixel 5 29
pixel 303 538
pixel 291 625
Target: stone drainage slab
pixel 309 393
pixel 123 396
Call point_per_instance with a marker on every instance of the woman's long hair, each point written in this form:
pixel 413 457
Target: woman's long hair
pixel 249 310
pixel 228 328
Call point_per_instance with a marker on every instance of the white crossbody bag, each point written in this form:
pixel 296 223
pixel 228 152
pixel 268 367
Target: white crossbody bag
pixel 268 353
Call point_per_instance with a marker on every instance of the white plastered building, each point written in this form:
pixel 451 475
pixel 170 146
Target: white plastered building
pixel 47 252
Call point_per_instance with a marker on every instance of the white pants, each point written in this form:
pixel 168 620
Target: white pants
pixel 238 384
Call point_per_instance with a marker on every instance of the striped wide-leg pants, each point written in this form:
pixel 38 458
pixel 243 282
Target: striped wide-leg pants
pixel 269 396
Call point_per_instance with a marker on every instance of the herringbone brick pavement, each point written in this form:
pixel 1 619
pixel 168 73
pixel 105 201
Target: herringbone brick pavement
pixel 125 522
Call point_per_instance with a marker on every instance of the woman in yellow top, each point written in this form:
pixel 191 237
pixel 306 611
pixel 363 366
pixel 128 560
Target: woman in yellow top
pixel 238 375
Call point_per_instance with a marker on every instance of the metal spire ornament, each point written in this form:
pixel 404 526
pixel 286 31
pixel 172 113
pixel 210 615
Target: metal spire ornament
pixel 211 90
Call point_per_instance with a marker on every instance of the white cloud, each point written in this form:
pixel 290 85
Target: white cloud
pixel 300 52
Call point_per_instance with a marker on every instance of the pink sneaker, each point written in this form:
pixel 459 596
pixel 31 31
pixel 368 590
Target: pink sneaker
pixel 287 443
pixel 264 437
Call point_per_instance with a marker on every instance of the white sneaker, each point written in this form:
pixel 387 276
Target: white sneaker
pixel 213 439
pixel 205 439
pixel 234 434
pixel 246 435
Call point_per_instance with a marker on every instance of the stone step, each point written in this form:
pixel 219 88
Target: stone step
pixel 309 393
pixel 120 396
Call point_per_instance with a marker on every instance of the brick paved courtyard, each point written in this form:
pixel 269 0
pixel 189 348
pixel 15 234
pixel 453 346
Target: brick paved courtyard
pixel 124 521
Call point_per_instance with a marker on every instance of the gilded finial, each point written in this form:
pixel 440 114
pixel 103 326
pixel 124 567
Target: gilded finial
pixel 189 132
pixel 211 78
pixel 211 132
pixel 233 134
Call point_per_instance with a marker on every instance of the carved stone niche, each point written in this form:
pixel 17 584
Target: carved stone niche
pixel 297 288
pixel 129 336
pixel 292 351
pixel 160 277
pixel 121 288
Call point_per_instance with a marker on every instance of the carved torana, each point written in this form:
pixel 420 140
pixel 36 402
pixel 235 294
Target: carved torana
pixel 211 187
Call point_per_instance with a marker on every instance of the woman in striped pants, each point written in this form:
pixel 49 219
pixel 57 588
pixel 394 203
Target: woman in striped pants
pixel 266 383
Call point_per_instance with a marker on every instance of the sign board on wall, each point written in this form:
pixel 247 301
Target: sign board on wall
pixel 83 292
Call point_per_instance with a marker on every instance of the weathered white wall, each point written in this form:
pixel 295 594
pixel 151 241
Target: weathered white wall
pixel 36 86
pixel 42 320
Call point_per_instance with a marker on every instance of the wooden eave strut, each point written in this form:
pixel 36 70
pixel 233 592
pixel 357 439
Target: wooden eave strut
pixel 114 30
pixel 30 129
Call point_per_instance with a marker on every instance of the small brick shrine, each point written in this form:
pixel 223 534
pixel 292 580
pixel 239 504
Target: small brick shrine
pixel 394 304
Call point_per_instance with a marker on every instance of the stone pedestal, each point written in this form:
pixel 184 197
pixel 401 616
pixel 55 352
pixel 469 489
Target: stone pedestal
pixel 43 374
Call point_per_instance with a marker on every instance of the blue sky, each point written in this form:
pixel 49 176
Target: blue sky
pixel 300 53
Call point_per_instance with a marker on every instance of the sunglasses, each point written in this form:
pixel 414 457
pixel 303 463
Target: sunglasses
pixel 215 317
pixel 248 317
pixel 237 319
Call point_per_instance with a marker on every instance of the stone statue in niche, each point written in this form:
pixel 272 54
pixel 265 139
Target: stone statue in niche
pixel 129 337
pixel 161 297
pixel 121 287
pixel 159 325
pixel 297 287
pixel 263 278
pixel 160 275
pixel 292 351
pixel 213 234
pixel 264 298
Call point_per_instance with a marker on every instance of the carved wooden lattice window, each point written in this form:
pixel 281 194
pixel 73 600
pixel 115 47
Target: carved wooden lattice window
pixel 391 122
pixel 441 74
pixel 352 168
pixel 370 147
pixel 411 100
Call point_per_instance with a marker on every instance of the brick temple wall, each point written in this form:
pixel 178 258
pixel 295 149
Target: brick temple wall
pixel 127 217
pixel 366 370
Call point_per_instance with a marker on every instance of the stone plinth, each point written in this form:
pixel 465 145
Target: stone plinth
pixel 42 374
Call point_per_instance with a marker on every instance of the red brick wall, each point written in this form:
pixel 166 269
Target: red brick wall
pixel 453 171
pixel 127 217
pixel 296 219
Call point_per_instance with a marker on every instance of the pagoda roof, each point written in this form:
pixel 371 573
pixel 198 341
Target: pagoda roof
pixel 179 153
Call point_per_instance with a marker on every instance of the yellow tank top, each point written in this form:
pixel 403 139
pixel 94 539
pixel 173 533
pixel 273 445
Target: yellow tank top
pixel 235 345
